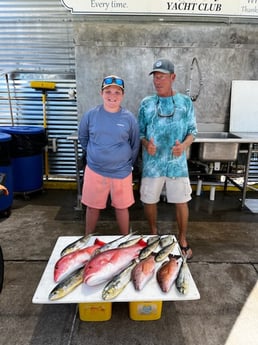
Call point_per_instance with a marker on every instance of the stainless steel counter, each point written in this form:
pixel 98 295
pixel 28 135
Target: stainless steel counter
pixel 227 137
pixel 249 138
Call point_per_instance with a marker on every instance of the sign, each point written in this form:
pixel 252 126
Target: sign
pixel 216 8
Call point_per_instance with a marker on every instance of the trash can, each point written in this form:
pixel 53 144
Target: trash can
pixel 6 169
pixel 27 146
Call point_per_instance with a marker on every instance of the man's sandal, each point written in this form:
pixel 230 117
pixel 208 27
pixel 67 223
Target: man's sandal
pixel 185 250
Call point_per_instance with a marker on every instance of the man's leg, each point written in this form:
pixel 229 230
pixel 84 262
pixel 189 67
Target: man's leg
pixel 150 211
pixel 182 215
pixel 122 218
pixel 92 216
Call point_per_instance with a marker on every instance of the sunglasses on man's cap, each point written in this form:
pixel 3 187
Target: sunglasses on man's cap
pixel 112 80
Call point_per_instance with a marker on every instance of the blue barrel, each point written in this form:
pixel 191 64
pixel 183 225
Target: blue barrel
pixel 27 147
pixel 6 168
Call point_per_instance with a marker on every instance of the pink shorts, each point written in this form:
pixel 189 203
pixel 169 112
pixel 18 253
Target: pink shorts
pixel 96 189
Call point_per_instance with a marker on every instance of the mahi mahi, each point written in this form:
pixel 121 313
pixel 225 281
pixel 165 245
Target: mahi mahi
pixel 166 240
pixel 114 243
pixel 145 252
pixel 165 251
pixel 78 244
pixel 118 283
pixel 183 278
pixel 130 242
pixel 67 285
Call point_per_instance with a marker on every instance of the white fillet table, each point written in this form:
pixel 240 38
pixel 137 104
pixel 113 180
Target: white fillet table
pixel 84 293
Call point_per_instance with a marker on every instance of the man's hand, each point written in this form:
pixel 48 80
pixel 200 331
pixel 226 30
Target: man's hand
pixel 178 149
pixel 3 190
pixel 151 147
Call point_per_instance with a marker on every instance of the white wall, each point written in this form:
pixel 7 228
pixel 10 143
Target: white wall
pixel 225 52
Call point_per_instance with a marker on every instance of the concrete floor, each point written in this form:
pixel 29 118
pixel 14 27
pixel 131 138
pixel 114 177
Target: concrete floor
pixel 224 267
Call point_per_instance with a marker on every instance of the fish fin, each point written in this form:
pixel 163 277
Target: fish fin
pixel 142 243
pixel 98 241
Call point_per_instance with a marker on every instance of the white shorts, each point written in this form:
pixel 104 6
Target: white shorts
pixel 178 190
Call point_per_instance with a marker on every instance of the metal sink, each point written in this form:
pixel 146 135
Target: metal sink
pixel 218 146
pixel 217 135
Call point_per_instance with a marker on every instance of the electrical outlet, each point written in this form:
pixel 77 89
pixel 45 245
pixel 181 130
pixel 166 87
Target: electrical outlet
pixel 217 166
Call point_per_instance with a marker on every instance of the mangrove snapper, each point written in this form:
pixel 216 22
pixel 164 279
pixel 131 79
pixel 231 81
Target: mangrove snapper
pixel 167 273
pixel 143 272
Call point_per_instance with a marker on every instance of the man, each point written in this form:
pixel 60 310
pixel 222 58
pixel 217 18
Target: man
pixel 109 135
pixel 167 128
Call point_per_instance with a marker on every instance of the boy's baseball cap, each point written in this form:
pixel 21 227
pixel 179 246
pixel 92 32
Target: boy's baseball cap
pixel 163 66
pixel 112 80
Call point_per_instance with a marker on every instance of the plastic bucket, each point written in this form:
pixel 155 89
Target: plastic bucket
pixel 27 146
pixel 6 168
pixel 95 311
pixel 145 310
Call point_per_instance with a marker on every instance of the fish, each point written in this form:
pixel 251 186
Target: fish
pixel 114 287
pixel 145 252
pixel 168 272
pixel 78 244
pixel 67 285
pixel 183 278
pixel 114 243
pixel 152 239
pixel 70 262
pixel 166 240
pixel 143 272
pixel 164 252
pixel 130 242
pixel 105 265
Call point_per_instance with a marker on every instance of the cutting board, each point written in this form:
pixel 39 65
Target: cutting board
pixel 244 106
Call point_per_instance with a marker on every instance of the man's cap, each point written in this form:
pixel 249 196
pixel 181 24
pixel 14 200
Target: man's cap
pixel 112 80
pixel 163 66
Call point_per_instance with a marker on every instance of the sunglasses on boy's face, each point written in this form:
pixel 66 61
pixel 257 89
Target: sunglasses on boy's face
pixel 113 80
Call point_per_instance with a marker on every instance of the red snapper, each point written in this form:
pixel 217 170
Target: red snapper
pixel 70 262
pixel 104 266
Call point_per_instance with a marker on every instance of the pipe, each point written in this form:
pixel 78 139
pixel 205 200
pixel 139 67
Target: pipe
pixel 9 98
